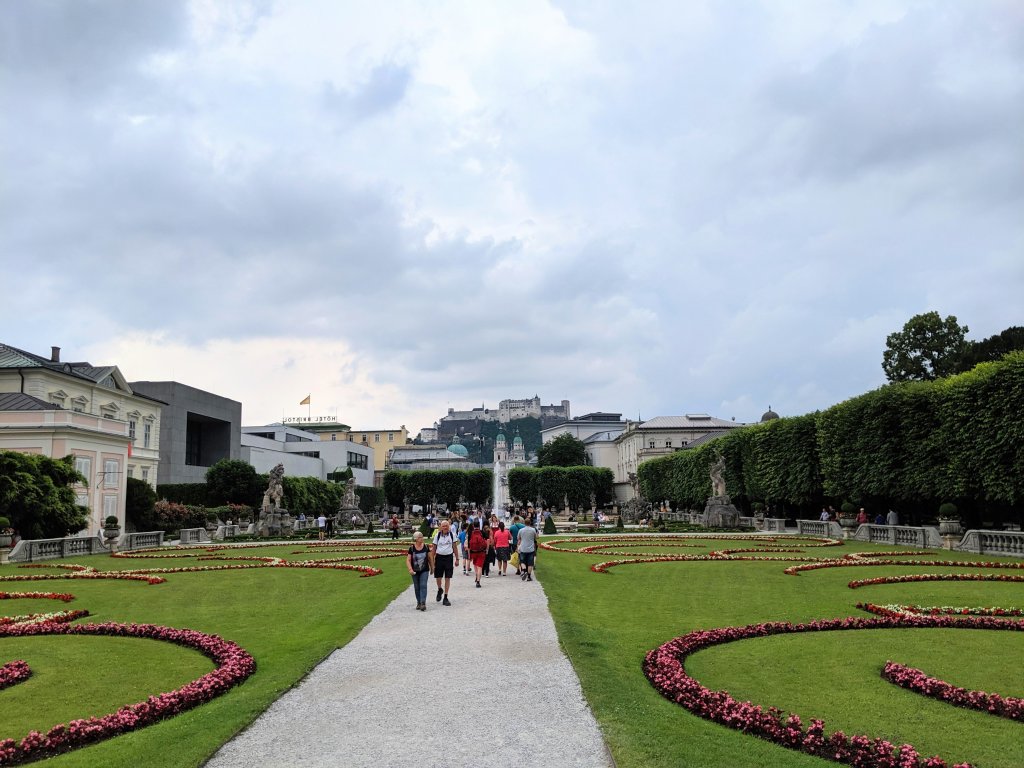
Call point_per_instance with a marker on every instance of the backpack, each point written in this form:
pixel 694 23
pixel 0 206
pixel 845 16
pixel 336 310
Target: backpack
pixel 477 542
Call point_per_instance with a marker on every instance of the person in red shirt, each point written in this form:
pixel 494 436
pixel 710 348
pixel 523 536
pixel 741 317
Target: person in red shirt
pixel 477 551
pixel 502 542
pixel 862 517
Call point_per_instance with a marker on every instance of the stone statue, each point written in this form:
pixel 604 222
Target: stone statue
pixel 351 498
pixel 717 479
pixel 634 482
pixel 275 489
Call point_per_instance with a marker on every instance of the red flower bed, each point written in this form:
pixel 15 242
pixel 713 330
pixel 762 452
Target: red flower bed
pixel 664 667
pixel 917 681
pixel 234 665
pixel 909 579
pixel 860 562
pixel 13 672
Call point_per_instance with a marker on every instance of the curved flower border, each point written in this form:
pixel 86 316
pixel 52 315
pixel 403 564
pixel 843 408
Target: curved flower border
pixel 915 577
pixel 234 665
pixel 14 672
pixel 917 681
pixel 664 667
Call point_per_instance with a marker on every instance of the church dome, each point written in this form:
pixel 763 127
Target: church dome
pixel 769 415
pixel 517 441
pixel 500 437
pixel 457 447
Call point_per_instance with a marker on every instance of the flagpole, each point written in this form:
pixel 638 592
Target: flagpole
pixel 309 406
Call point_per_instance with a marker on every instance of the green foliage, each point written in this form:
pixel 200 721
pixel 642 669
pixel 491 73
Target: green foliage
pixel 522 484
pixel 4 522
pixel 393 490
pixel 993 348
pixel 138 506
pixel 171 516
pixel 449 486
pixel 479 484
pixel 371 498
pixel 36 495
pixel 618 524
pixel 928 347
pixel 110 521
pixel 425 529
pixel 369 527
pixel 848 508
pixel 564 451
pixel 948 510
pixel 182 493
pixel 311 496
pixel 553 484
pixel 233 481
pixel 549 526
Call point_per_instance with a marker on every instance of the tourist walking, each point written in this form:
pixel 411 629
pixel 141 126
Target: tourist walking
pixel 502 540
pixel 394 527
pixel 464 547
pixel 330 527
pixel 321 525
pixel 418 562
pixel 477 552
pixel 517 526
pixel 446 557
pixel 527 548
pixel 489 554
pixel 892 518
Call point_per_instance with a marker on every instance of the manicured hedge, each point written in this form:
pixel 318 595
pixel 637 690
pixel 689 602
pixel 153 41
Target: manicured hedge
pixel 910 445
pixel 182 493
pixel 552 485
pixel 447 486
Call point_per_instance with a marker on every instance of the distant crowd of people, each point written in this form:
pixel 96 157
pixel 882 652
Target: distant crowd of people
pixel 473 541
pixel 829 514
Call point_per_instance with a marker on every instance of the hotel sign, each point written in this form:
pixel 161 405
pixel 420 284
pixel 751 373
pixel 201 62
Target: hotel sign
pixel 311 420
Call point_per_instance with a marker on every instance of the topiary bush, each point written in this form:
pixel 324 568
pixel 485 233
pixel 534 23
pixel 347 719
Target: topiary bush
pixel 549 526
pixel 948 511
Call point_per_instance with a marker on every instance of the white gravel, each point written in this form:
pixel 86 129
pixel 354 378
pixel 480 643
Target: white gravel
pixel 481 683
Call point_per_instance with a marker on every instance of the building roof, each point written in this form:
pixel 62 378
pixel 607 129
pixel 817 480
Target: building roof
pixel 15 401
pixel 12 357
pixel 769 415
pixel 704 439
pixel 689 421
pixel 602 437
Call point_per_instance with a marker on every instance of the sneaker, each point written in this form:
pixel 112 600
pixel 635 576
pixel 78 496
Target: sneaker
pixel 445 601
pixel 440 592
pixel 478 585
pixel 423 606
pixel 529 577
pixel 523 577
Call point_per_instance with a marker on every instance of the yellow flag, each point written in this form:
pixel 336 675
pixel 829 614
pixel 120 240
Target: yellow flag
pixel 306 400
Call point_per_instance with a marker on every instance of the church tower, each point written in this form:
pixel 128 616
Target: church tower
pixel 518 451
pixel 500 448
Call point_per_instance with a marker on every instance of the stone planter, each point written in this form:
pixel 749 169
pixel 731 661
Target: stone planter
pixel 849 525
pixel 949 527
pixel 5 540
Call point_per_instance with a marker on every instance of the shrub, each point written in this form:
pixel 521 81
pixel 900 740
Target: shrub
pixel 549 526
pixel 4 522
pixel 948 510
pixel 111 521
pixel 618 524
pixel 848 508
pixel 369 527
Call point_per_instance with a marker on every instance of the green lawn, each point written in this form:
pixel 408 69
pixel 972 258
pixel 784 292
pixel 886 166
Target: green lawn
pixel 608 622
pixel 288 619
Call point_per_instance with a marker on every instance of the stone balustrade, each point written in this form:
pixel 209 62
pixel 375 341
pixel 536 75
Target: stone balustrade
pixel 142 540
pixel 746 522
pixel 193 536
pixel 992 543
pixel 776 524
pixel 226 532
pixel 828 528
pixel 32 550
pixel 903 535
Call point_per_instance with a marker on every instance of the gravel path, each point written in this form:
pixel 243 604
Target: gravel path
pixel 445 687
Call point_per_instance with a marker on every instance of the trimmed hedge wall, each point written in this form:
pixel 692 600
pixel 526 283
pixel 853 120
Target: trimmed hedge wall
pixel 423 486
pixel 907 445
pixel 553 484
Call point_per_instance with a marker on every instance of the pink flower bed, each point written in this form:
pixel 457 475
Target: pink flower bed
pixel 914 577
pixel 13 672
pixel 861 561
pixel 917 681
pixel 664 667
pixel 234 665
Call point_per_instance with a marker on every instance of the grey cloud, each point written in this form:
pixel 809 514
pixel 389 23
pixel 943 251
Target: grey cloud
pixel 384 88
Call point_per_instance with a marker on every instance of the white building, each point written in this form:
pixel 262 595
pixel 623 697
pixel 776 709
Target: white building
pixel 660 436
pixel 304 454
pixel 584 426
pixel 58 409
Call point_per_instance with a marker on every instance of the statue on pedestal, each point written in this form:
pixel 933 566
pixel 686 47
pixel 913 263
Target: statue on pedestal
pixel 269 523
pixel 719 512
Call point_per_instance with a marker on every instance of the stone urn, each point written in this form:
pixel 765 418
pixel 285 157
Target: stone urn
pixel 849 524
pixel 949 527
pixel 5 540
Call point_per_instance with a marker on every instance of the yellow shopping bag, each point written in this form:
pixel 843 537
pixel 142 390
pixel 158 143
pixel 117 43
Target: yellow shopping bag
pixel 514 560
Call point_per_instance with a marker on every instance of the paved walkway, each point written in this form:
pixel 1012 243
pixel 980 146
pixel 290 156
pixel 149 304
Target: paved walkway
pixel 481 683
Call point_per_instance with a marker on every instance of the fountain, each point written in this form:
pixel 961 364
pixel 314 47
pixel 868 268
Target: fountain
pixel 499 489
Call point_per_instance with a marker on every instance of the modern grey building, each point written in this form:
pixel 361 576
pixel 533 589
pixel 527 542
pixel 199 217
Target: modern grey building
pixel 198 430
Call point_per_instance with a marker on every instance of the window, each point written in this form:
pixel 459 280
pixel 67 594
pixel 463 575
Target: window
pixel 364 438
pixel 83 465
pixel 358 460
pixel 668 443
pixel 650 444
pixel 145 474
pixel 78 404
pixel 133 425
pixel 147 434
pixel 109 506
pixel 391 437
pixel 58 397
pixel 334 436
pixel 82 500
pixel 110 473
pixel 131 470
pixel 376 438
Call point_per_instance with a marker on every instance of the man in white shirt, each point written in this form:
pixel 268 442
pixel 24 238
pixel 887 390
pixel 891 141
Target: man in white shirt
pixel 446 556
pixel 321 524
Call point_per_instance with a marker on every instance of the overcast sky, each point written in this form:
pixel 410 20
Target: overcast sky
pixel 653 208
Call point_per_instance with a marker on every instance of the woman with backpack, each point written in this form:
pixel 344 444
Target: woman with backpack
pixel 489 556
pixel 418 562
pixel 477 551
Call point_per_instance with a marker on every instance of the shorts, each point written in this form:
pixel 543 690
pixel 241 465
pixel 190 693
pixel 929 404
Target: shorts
pixel 444 565
pixel 465 552
pixel 502 554
pixel 526 559
pixel 478 558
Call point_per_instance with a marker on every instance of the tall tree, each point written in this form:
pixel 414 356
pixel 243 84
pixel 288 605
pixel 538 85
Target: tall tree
pixel 564 451
pixel 928 347
pixel 992 348
pixel 393 489
pixel 232 481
